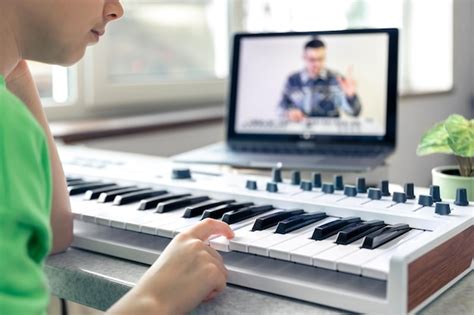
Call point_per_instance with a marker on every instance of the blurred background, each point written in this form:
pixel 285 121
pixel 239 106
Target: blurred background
pixel 157 82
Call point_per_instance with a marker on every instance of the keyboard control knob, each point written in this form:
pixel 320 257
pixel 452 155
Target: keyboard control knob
pixel 425 200
pixel 350 191
pixel 384 188
pixel 361 186
pixel 442 208
pixel 295 177
pixel 306 185
pixel 276 175
pixel 338 182
pixel 251 185
pixel 181 173
pixel 410 190
pixel 434 192
pixel 399 197
pixel 328 188
pixel 461 197
pixel 374 193
pixel 272 187
pixel 317 182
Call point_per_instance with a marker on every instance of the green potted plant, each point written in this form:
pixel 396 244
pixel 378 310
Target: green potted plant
pixel 454 136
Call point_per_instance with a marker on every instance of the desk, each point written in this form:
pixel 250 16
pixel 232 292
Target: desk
pixel 99 281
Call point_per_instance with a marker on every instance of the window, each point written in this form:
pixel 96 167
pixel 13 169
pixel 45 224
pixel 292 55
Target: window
pixel 52 83
pixel 167 53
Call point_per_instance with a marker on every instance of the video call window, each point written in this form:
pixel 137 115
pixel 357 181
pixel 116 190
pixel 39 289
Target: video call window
pixel 326 85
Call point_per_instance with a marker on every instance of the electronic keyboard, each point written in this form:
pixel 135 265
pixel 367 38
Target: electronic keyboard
pixel 345 245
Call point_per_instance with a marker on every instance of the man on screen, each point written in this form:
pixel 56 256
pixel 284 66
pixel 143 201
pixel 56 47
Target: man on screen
pixel 317 91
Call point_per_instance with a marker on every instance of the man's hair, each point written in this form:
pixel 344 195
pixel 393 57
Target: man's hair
pixel 314 43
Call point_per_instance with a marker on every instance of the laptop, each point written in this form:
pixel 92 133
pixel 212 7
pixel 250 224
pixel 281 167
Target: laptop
pixel 311 100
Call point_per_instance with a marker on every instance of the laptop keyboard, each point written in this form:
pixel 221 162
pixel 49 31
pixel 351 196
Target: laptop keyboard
pixel 328 151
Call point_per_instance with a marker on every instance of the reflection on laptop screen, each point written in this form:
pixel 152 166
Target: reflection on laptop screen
pixel 329 84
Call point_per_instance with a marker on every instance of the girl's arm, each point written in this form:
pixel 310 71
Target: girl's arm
pixel 20 82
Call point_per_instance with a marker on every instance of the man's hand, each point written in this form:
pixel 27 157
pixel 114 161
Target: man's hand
pixel 187 273
pixel 295 115
pixel 347 84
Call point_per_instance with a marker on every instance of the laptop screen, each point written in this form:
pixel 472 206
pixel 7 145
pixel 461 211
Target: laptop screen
pixel 314 86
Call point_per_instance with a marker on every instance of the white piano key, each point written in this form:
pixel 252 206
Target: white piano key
pixel 223 244
pixel 246 236
pixel 304 254
pixel 151 227
pixel 327 259
pixel 379 267
pixel 302 237
pixel 352 263
pixel 263 246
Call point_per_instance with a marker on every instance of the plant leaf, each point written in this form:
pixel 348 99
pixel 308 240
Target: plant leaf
pixel 460 135
pixel 434 140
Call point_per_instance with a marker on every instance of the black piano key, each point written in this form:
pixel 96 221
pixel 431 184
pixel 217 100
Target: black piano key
pixel 110 196
pixel 179 203
pixel 297 222
pixel 125 199
pixel 272 219
pixel 95 193
pixel 245 213
pixel 326 230
pixel 353 233
pixel 73 180
pixel 82 188
pixel 197 210
pixel 384 235
pixel 151 203
pixel 218 212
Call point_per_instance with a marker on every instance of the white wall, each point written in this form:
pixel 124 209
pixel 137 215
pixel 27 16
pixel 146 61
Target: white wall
pixel 415 115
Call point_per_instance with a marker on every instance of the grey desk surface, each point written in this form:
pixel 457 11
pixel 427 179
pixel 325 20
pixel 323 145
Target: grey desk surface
pixel 98 281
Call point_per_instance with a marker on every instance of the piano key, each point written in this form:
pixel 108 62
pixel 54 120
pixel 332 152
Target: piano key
pixel 378 268
pixel 152 220
pixel 95 193
pixel 83 187
pixel 198 210
pixel 304 254
pixel 179 203
pixel 136 196
pixel 151 203
pixel 332 228
pixel 270 220
pixel 73 181
pixel 327 259
pixel 110 196
pixel 299 238
pixel 353 263
pixel 263 246
pixel 218 212
pixel 384 235
pixel 353 233
pixel 245 213
pixel 221 243
pixel 297 222
pixel 72 178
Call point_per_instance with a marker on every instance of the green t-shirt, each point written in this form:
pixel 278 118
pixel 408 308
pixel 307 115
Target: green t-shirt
pixel 25 203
